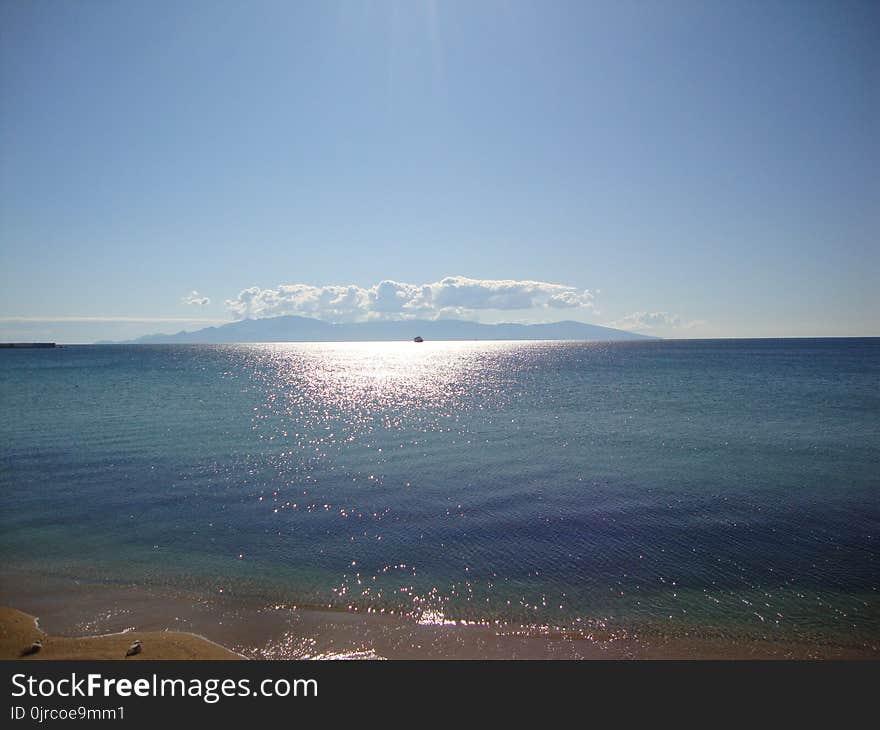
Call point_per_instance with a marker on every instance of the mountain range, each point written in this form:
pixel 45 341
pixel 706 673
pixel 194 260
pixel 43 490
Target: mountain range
pixel 303 329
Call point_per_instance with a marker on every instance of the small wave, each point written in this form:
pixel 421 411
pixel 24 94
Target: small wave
pixel 358 654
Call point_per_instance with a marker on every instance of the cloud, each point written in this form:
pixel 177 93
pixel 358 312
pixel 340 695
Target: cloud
pixel 454 296
pixel 650 321
pixel 195 299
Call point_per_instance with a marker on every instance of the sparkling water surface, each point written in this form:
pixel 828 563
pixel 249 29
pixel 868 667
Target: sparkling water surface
pixel 723 487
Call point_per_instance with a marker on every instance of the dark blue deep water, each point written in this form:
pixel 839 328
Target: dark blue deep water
pixel 723 486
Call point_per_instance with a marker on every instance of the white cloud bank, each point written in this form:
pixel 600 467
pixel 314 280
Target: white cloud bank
pixel 196 299
pixel 641 321
pixel 454 296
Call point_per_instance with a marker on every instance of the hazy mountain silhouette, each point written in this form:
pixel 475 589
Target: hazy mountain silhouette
pixel 303 329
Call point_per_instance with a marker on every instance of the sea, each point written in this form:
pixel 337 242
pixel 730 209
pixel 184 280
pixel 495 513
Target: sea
pixel 620 497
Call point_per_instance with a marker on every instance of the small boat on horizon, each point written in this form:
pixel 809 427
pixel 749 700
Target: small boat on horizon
pixel 417 339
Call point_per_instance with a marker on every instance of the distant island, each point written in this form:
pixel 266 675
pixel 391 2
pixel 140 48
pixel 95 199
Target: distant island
pixel 303 329
pixel 28 344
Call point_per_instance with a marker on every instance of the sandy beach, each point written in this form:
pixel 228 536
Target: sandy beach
pixel 19 630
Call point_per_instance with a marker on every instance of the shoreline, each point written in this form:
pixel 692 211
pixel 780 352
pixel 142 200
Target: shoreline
pixel 19 630
pixel 96 621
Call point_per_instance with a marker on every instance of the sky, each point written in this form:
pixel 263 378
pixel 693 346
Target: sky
pixel 682 169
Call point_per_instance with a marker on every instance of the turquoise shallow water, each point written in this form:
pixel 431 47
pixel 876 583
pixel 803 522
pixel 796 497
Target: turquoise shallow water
pixel 723 487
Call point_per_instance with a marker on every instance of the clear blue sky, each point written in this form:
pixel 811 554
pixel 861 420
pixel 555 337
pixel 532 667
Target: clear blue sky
pixel 685 168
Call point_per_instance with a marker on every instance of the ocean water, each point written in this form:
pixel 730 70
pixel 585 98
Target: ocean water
pixel 723 489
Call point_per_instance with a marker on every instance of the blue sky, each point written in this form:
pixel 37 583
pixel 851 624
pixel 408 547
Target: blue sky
pixel 679 168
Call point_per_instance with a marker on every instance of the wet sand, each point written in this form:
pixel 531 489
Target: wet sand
pixel 19 631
